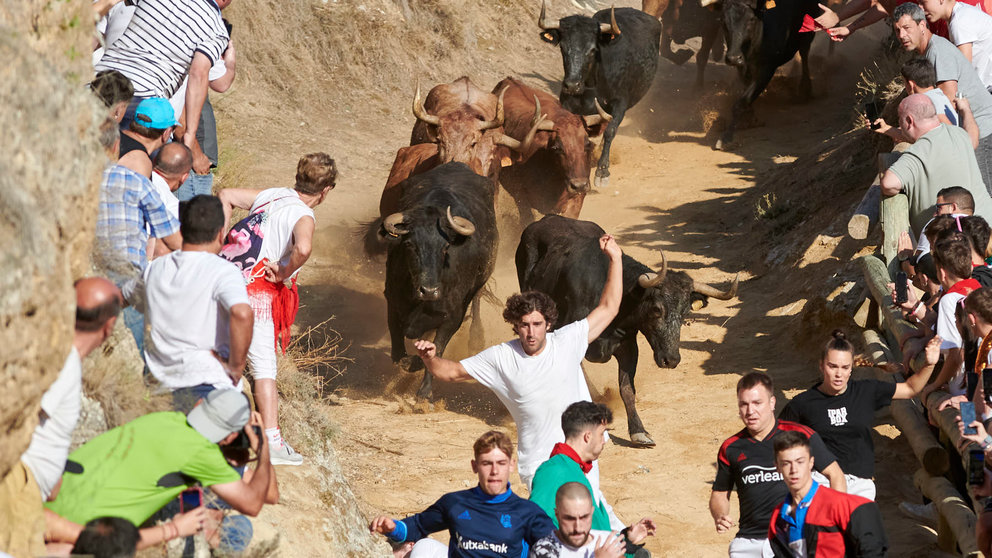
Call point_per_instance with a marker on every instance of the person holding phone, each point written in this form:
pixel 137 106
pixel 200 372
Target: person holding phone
pixel 842 410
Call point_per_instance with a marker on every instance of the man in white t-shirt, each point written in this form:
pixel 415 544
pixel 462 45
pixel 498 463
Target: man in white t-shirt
pixel 575 538
pixel 170 168
pixel 539 374
pixel 285 227
pixel 969 28
pixel 98 302
pixel 197 307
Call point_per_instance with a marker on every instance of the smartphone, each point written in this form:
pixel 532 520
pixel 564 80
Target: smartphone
pixel 968 417
pixel 976 467
pixel 902 292
pixel 872 112
pixel 972 382
pixel 190 498
pixel 987 384
pixel 242 441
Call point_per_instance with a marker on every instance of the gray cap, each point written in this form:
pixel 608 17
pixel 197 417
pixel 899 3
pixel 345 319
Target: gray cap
pixel 221 412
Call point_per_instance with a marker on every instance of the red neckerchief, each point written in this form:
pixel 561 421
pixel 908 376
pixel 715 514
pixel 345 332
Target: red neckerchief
pixel 566 450
pixel 964 287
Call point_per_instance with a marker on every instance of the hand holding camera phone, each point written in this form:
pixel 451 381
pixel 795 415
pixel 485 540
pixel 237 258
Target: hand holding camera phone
pixel 190 499
pixel 243 442
pixel 872 113
pixel 902 289
pixel 976 467
pixel 968 417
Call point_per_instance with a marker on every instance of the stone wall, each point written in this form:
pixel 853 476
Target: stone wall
pixel 50 164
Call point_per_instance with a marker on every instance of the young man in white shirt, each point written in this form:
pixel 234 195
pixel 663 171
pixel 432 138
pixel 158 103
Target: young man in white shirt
pixel 197 306
pixel 539 374
pixel 969 28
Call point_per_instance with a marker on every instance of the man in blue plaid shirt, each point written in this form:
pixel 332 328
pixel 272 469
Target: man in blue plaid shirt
pixel 130 210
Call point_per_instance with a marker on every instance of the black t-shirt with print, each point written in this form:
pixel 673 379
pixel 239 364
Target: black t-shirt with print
pixel 844 421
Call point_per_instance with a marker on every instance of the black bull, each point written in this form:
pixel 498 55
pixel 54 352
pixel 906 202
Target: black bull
pixel 761 36
pixel 561 257
pixel 610 57
pixel 442 248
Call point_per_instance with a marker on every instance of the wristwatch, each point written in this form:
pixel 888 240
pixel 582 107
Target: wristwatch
pixel 987 443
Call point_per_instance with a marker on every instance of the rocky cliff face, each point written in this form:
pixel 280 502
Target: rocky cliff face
pixel 50 166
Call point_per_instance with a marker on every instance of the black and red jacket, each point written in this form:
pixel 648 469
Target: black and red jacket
pixel 837 525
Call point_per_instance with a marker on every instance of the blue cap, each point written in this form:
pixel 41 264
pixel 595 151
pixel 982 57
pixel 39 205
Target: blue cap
pixel 155 113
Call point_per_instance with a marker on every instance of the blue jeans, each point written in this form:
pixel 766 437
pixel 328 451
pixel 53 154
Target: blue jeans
pixel 195 185
pixel 184 399
pixel 135 321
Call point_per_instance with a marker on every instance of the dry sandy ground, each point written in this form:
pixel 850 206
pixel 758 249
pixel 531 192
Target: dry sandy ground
pixel 669 191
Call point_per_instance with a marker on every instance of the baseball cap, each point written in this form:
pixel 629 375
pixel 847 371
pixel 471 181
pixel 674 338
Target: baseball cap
pixel 221 412
pixel 155 113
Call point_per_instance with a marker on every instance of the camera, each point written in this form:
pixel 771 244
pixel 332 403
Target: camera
pixel 242 441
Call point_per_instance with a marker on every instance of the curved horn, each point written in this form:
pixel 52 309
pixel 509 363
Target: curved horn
pixel 461 225
pixel 420 112
pixel 612 28
pixel 536 125
pixel 500 115
pixel 600 116
pixel 710 291
pixel 648 280
pixel 392 223
pixel 542 21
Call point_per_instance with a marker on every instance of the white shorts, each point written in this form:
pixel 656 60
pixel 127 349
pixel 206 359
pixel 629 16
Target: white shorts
pixel 262 351
pixel 749 548
pixel 429 548
pixel 855 485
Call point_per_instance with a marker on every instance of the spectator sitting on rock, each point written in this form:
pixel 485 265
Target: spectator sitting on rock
pixel 35 478
pixel 198 310
pixel 172 165
pixel 115 90
pixel 108 537
pixel 135 469
pixel 150 130
pixel 584 424
pixel 940 155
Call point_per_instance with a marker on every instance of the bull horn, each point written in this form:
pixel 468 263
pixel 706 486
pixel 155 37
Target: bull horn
pixel 500 115
pixel 612 28
pixel 461 225
pixel 542 21
pixel 535 126
pixel 648 280
pixel 507 141
pixel 600 116
pixel 539 122
pixel 392 224
pixel 420 112
pixel 710 291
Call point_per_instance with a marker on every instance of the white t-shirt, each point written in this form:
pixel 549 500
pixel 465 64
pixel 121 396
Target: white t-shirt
pixel 943 105
pixel 169 199
pixel 947 329
pixel 49 448
pixel 112 26
pixel 284 209
pixel 969 24
pixel 188 300
pixel 536 389
pixel 553 547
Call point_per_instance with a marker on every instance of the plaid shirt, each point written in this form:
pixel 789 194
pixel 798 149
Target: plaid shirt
pixel 129 208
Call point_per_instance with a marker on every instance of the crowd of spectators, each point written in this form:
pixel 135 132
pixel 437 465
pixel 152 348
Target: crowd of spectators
pixel 201 305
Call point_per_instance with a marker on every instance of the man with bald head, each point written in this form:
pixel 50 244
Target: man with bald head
pixel 171 168
pixel 575 538
pixel 36 478
pixel 940 156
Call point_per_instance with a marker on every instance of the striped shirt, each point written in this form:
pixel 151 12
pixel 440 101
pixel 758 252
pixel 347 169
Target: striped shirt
pixel 128 204
pixel 156 50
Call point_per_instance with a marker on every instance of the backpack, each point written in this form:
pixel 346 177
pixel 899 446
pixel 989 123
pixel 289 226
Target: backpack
pixel 244 241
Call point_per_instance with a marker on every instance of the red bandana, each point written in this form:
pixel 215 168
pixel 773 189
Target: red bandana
pixel 964 287
pixel 566 450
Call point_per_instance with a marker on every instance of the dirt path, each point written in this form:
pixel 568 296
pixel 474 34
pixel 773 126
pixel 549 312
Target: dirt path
pixel 669 191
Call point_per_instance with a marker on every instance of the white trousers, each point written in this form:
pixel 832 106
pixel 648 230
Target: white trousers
pixel 855 485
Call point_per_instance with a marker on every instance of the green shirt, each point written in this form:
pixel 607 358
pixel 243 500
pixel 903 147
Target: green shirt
pixel 555 472
pixel 124 470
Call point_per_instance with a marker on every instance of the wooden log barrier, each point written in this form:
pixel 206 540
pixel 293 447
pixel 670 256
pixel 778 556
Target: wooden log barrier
pixel 894 217
pixel 957 525
pixel 907 415
pixel 866 214
pixel 877 280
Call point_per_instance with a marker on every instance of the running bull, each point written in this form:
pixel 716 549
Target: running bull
pixel 561 257
pixel 441 252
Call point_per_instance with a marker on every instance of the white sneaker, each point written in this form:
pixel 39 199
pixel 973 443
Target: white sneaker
pixel 283 454
pixel 926 513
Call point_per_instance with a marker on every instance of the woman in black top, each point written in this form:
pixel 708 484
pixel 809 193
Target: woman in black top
pixel 842 410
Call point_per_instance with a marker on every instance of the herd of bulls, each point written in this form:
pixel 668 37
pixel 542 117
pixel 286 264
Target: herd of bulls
pixel 437 221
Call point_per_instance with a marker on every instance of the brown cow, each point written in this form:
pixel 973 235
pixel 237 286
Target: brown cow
pixel 415 159
pixel 554 155
pixel 682 20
